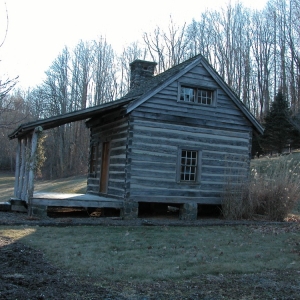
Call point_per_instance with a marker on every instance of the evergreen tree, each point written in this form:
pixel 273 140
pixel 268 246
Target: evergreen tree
pixel 278 128
pixel 295 121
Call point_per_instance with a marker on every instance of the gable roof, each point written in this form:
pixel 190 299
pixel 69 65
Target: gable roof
pixel 138 96
pixel 157 83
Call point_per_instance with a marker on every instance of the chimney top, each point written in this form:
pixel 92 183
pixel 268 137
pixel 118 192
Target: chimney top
pixel 140 70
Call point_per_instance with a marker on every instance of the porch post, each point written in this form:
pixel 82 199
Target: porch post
pixel 17 170
pixel 22 169
pixel 27 166
pixel 32 166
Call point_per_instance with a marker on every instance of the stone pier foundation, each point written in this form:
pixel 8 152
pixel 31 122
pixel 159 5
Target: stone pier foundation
pixel 188 211
pixel 130 210
pixel 39 210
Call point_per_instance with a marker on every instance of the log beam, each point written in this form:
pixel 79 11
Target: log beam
pixel 32 166
pixel 17 170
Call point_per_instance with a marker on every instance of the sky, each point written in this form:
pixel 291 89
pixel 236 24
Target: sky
pixel 38 30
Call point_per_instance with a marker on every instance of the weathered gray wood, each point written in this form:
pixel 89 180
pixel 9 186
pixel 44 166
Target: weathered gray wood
pixel 27 166
pixel 117 134
pixel 20 194
pixel 236 134
pixel 176 200
pixel 75 200
pixel 32 166
pixel 147 135
pixel 17 170
pixel 56 121
pixel 162 124
pixel 211 118
pixel 185 120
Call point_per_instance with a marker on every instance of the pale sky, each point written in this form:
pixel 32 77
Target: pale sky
pixel 39 29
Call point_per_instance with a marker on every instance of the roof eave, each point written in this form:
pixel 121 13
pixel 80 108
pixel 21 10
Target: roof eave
pixel 70 117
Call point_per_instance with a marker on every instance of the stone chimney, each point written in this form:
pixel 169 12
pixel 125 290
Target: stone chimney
pixel 140 70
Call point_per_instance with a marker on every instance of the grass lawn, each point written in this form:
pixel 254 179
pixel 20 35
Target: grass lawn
pixel 74 184
pixel 155 253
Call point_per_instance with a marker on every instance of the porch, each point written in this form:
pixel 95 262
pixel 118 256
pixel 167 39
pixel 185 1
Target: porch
pixel 39 203
pixel 75 200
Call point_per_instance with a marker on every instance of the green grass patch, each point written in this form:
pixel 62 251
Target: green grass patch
pixel 152 253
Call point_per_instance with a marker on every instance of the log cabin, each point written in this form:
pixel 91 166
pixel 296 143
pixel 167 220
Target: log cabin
pixel 173 139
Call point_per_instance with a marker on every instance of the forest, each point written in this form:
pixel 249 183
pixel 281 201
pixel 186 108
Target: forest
pixel 256 52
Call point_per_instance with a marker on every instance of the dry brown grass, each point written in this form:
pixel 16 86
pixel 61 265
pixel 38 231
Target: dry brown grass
pixel 273 190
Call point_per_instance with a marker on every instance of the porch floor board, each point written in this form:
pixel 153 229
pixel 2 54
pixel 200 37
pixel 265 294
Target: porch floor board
pixel 75 200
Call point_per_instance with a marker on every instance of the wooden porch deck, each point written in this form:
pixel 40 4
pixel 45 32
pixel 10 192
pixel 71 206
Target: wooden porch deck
pixel 75 200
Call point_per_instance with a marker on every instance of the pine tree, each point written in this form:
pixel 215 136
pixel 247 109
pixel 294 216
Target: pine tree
pixel 278 128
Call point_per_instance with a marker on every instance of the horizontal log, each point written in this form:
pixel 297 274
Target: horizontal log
pixel 155 141
pixel 177 200
pixel 173 126
pixel 198 115
pixel 180 191
pixel 184 120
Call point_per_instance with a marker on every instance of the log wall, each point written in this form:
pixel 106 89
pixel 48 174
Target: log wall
pixel 163 125
pixel 114 130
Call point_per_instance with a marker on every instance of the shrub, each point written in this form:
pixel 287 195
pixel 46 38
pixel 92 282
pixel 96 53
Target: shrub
pixel 272 192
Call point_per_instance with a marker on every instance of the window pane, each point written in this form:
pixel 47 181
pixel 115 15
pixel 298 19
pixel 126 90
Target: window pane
pixel 188 169
pixel 204 96
pixel 187 94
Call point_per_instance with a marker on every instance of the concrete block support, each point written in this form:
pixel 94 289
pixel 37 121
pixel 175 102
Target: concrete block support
pixel 188 211
pixel 130 210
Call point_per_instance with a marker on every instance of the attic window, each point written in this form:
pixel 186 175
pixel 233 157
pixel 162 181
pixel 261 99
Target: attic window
pixel 196 95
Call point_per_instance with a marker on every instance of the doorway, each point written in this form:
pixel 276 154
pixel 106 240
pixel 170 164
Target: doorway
pixel 104 167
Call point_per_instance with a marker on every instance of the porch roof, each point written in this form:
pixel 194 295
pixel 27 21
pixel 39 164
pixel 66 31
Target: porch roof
pixel 59 120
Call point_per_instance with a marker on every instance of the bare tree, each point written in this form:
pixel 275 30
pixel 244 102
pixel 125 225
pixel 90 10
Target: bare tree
pixel 167 48
pixel 7 84
pixel 16 111
pixel 262 53
pixel 82 63
pixel 104 72
pixel 129 54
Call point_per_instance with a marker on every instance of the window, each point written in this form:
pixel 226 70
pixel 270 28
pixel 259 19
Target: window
pixel 196 95
pixel 188 166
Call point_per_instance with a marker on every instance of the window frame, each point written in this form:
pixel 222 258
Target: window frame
pixel 197 180
pixel 196 89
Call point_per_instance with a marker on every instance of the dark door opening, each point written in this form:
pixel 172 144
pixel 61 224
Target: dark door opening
pixel 104 168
